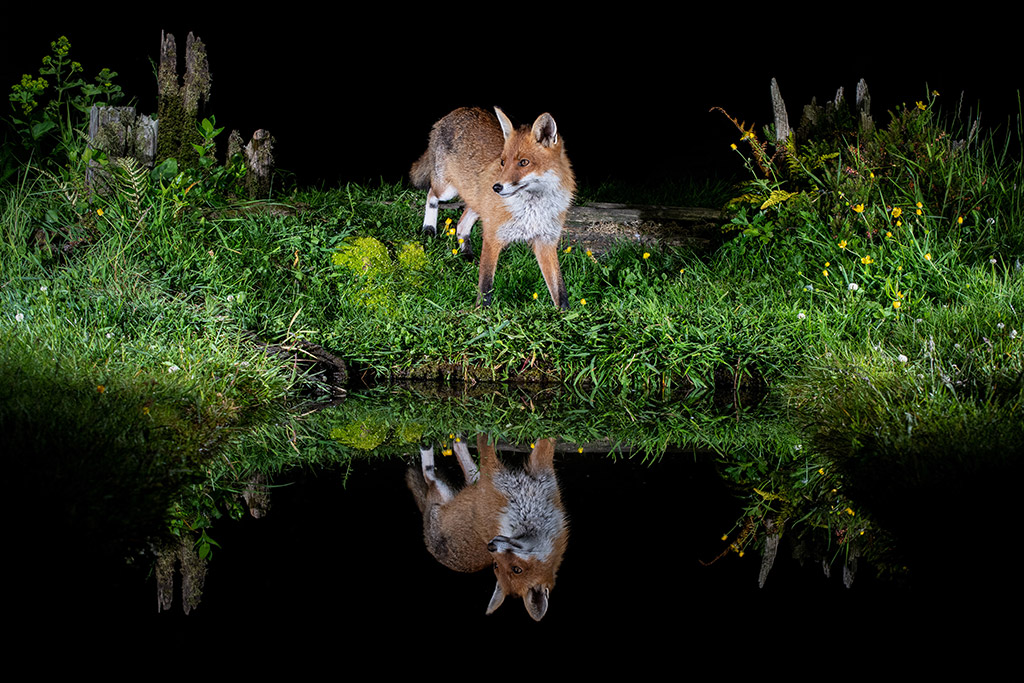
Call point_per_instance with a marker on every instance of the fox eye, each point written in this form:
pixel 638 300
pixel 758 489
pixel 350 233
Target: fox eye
pixel 495 566
pixel 517 570
pixel 524 162
pixel 503 163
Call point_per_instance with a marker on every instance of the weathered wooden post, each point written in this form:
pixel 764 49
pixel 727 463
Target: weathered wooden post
pixel 258 157
pixel 782 128
pixel 120 134
pixel 178 99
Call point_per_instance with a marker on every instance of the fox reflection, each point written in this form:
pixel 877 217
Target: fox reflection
pixel 509 519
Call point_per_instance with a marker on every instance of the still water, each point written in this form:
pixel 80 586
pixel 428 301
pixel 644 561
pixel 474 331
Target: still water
pixel 339 550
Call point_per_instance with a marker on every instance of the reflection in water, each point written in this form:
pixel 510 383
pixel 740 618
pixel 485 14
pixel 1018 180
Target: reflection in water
pixel 511 519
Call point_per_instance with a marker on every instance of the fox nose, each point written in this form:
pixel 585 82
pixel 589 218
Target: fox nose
pixel 497 188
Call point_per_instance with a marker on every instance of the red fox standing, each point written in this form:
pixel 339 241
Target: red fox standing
pixel 518 182
pixel 511 520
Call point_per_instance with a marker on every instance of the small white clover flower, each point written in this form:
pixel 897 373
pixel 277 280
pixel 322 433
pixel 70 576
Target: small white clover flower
pixel 43 289
pixel 853 286
pixel 19 317
pixel 800 316
pixel 173 368
pixel 110 335
pixel 1000 325
pixel 901 358
pixel 992 261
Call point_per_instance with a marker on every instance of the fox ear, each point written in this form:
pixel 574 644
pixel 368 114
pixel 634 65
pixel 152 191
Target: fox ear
pixel 506 125
pixel 536 601
pixel 545 130
pixel 496 599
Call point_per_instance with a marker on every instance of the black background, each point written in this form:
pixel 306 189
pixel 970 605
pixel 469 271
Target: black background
pixel 351 95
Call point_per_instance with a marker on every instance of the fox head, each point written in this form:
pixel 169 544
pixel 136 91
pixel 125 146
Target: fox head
pixel 521 574
pixel 533 159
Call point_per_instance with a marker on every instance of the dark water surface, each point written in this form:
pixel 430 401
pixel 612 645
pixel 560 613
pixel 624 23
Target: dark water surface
pixel 347 561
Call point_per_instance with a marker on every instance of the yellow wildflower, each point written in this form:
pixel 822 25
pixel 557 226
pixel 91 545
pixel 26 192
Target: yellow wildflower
pixel 928 256
pixel 842 244
pixel 859 208
pixel 825 273
pixel 732 146
pixel 647 255
pixel 100 388
pixel 921 105
pixel 896 304
pixel 918 212
pixel 583 302
pixel 535 295
pixel 867 260
pixel 850 511
pixel 568 249
pixel 919 205
pixel 960 220
pixel 897 212
pixel 99 212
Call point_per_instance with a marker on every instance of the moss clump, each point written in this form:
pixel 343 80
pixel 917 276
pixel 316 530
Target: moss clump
pixel 363 435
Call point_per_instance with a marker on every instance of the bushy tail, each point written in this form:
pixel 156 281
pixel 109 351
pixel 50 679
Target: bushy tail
pixel 419 174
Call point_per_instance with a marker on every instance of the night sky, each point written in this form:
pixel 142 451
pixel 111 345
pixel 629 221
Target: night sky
pixel 354 99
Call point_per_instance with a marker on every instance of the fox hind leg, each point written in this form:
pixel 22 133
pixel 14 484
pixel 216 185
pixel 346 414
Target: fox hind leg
pixel 434 197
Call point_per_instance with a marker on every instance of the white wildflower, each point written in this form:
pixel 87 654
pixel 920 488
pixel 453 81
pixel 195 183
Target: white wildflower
pixel 19 317
pixel 901 358
pixel 173 368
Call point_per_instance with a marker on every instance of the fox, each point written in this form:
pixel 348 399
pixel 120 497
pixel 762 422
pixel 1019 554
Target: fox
pixel 511 520
pixel 517 181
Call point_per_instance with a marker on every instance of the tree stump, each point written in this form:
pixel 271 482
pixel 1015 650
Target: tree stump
pixel 119 133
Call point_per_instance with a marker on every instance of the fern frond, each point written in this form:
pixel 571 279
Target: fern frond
pixel 777 197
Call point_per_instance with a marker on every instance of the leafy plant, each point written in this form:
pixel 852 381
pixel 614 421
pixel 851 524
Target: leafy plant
pixel 50 111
